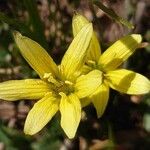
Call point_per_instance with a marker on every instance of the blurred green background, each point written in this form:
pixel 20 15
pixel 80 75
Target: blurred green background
pixel 126 123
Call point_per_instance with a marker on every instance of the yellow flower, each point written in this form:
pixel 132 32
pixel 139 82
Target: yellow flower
pixel 122 80
pixel 60 88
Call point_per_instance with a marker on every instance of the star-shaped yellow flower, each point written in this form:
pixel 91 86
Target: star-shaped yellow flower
pixel 60 88
pixel 122 80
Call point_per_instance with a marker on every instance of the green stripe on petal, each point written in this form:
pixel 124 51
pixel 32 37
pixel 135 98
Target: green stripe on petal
pixel 41 113
pixel 87 84
pixel 70 109
pixel 116 54
pixel 35 55
pixel 85 101
pixel 129 82
pixel 78 23
pixel 23 89
pixel 74 57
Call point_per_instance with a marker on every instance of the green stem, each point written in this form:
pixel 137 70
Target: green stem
pixel 15 24
pixel 35 20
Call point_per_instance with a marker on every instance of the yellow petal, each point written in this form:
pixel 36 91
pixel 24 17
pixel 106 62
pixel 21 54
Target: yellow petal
pixel 100 98
pixel 41 114
pixel 35 55
pixel 74 57
pixel 119 52
pixel 78 23
pixel 23 89
pixel 70 109
pixel 87 84
pixel 128 82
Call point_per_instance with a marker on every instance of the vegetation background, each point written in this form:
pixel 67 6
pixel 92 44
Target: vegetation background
pixel 125 124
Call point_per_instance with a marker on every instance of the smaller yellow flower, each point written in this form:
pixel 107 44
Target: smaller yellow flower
pixel 122 80
pixel 59 88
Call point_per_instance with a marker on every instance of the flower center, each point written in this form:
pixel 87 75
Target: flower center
pixel 59 86
pixel 94 65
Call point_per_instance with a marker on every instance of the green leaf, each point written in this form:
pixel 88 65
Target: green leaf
pixel 14 140
pixel 51 137
pixel 112 14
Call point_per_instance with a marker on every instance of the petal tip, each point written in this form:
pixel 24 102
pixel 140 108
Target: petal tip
pixel 69 134
pixel 75 13
pixel 16 34
pixel 28 129
pixel 27 132
pixel 137 37
pixel 77 16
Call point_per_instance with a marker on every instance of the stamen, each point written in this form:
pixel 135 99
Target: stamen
pixel 62 94
pixel 46 75
pixel 51 79
pixel 91 62
pixel 68 82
